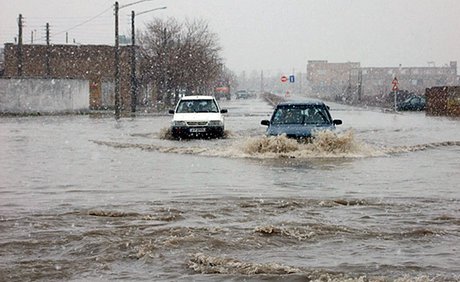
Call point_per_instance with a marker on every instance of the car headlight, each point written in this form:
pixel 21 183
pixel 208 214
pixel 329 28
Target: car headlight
pixel 215 123
pixel 179 123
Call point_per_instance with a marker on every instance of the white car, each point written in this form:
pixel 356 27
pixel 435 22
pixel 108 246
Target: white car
pixel 197 116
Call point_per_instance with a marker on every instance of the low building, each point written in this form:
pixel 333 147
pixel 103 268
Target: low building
pixel 2 62
pixel 329 80
pixel 377 81
pixel 95 63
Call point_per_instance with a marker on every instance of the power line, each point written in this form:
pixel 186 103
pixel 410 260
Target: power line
pixel 87 21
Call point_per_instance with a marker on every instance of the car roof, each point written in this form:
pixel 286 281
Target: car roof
pixel 197 97
pixel 306 102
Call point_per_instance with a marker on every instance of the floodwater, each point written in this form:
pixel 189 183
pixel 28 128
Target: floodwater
pixel 87 198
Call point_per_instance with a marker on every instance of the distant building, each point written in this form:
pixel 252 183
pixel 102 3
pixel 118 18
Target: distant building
pixel 377 81
pixel 95 63
pixel 2 62
pixel 330 80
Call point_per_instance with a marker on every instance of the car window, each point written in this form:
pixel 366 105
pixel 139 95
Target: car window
pixel 300 115
pixel 197 106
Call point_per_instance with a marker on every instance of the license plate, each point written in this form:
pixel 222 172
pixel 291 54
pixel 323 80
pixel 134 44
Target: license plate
pixel 197 130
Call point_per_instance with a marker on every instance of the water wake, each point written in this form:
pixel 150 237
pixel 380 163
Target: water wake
pixel 202 263
pixel 207 264
pixel 166 134
pixel 326 144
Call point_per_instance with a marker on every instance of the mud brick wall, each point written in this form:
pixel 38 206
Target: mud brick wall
pixel 443 101
pixel 95 63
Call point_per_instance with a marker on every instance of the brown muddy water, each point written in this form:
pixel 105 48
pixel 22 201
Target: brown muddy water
pixel 86 198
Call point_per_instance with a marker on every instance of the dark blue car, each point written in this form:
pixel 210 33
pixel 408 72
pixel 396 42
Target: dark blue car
pixel 300 119
pixel 414 103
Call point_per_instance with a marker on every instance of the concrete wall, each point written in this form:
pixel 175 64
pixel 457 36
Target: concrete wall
pixel 45 96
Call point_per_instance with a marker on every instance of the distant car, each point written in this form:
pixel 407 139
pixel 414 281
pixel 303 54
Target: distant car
pixel 300 119
pixel 242 94
pixel 197 116
pixel 414 103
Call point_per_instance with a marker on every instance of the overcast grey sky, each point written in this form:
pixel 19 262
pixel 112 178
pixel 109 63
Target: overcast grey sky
pixel 273 35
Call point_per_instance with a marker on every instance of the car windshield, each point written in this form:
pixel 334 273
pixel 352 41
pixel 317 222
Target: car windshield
pixel 301 115
pixel 197 106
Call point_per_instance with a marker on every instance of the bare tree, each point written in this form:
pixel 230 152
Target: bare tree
pixel 180 58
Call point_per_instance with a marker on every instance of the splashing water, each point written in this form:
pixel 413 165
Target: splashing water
pixel 165 134
pixel 325 144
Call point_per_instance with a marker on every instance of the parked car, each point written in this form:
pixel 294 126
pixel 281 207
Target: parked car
pixel 300 119
pixel 242 94
pixel 197 116
pixel 414 103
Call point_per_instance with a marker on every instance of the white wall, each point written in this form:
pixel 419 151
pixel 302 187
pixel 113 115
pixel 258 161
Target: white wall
pixel 45 96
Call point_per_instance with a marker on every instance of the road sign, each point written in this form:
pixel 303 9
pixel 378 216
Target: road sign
pixel 284 78
pixel 395 84
pixel 292 78
pixel 395 89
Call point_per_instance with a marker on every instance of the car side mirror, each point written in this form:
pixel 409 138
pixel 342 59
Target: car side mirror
pixel 171 112
pixel 265 122
pixel 337 121
pixel 223 111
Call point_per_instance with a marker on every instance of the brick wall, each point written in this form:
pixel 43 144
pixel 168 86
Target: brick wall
pixel 95 63
pixel 443 101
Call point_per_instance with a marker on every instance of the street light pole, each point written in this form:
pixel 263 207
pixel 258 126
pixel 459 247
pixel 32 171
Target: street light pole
pixel 133 57
pixel 118 100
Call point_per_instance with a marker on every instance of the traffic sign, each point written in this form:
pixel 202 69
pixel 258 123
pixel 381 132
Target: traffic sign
pixel 395 90
pixel 291 78
pixel 284 78
pixel 395 84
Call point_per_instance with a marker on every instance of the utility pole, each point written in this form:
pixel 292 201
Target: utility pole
pixel 300 79
pixel 133 66
pixel 118 97
pixel 47 56
pixel 117 66
pixel 20 46
pixel 360 84
pixel 262 82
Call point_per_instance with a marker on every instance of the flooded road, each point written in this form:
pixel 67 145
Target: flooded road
pixel 87 198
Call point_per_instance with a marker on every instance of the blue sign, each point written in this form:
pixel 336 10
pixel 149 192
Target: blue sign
pixel 291 78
